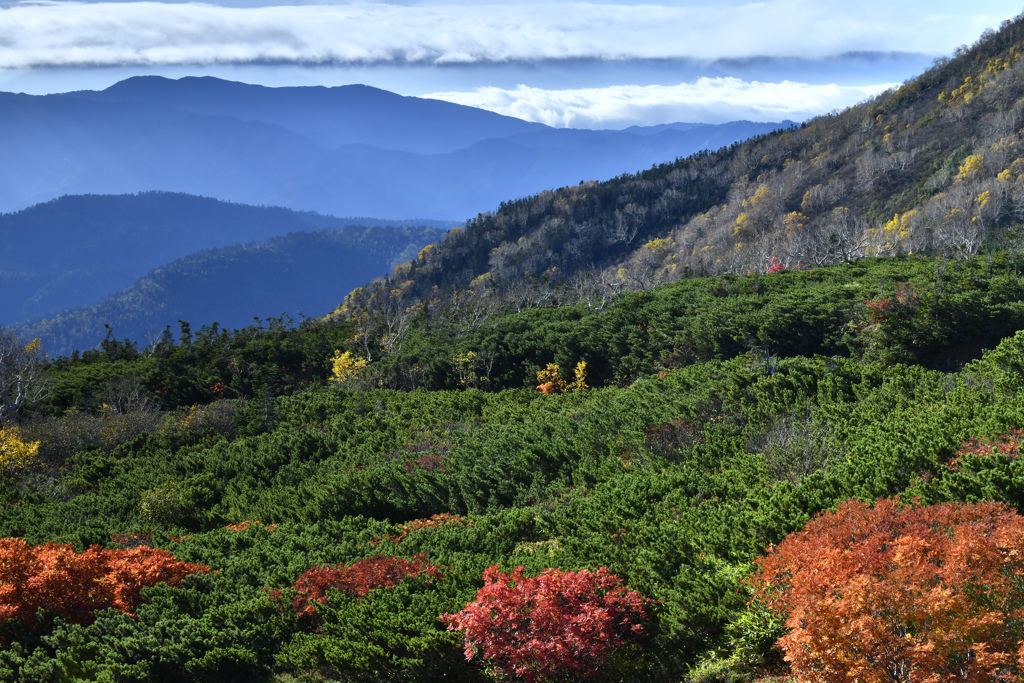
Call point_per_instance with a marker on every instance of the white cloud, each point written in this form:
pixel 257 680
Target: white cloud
pixel 42 34
pixel 708 100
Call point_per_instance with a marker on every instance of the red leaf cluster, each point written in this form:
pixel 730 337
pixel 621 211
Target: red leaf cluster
pixel 915 595
pixel 901 306
pixel 877 309
pixel 74 585
pixel 1004 444
pixel 550 626
pixel 432 522
pixel 357 579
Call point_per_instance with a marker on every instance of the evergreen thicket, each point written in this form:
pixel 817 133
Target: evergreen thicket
pixel 715 417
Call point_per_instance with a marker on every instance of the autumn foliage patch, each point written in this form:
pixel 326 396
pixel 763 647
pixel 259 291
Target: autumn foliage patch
pixel 75 585
pixel 891 594
pixel 1004 444
pixel 357 579
pixel 549 626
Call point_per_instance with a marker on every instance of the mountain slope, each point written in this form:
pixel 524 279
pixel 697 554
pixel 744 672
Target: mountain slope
pixel 75 250
pixel 294 274
pixel 936 166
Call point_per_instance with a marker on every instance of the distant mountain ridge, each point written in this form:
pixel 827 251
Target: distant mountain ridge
pixel 75 250
pixel 299 273
pixel 343 115
pixel 350 150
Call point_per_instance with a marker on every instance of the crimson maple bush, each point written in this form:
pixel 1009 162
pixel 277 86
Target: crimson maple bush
pixel 75 585
pixel 357 579
pixel 548 626
pixel 894 594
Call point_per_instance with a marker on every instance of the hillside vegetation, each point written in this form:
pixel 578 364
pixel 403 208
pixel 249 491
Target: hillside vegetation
pixel 933 167
pixel 329 524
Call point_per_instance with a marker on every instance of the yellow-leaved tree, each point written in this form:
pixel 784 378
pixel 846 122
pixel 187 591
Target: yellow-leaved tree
pixel 344 366
pixel 15 454
pixel 548 381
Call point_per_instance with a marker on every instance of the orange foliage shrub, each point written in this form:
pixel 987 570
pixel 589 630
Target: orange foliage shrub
pixel 433 522
pixel 73 585
pixel 549 382
pixel 242 526
pixel 357 579
pixel 901 595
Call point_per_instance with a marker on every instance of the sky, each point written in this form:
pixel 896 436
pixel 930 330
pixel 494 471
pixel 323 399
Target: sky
pixel 597 64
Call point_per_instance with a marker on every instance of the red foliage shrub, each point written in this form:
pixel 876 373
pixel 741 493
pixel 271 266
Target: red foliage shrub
pixel 357 579
pixel 877 309
pixel 433 522
pixel 889 594
pixel 1004 444
pixel 74 585
pixel 549 626
pixel 900 307
pixel 431 462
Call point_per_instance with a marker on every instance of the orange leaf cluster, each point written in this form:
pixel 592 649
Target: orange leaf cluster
pixel 549 382
pixel 357 579
pixel 242 526
pixel 433 522
pixel 74 586
pixel 889 594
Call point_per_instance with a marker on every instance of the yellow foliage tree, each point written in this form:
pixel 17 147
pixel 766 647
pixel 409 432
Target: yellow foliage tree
pixel 14 452
pixel 971 165
pixel 344 366
pixel 548 381
pixel 794 222
pixel 580 382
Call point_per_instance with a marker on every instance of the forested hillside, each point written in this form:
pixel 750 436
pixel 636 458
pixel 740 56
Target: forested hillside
pixel 933 167
pixel 297 274
pixel 75 250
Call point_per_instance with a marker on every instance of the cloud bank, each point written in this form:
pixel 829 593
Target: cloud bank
pixel 708 100
pixel 54 34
